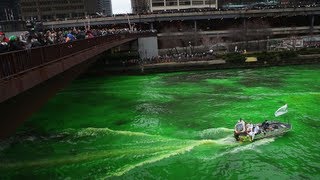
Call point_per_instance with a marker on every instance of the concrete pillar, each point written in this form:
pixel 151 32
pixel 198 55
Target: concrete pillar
pixel 151 26
pixel 246 32
pixel 148 47
pixel 312 24
pixel 195 25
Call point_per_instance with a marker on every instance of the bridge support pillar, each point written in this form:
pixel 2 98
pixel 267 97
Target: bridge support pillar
pixel 312 24
pixel 195 26
pixel 148 47
pixel 151 26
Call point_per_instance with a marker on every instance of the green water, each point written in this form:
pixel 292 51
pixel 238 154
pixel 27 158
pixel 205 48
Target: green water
pixel 171 126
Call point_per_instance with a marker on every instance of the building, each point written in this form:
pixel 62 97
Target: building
pixel 9 10
pixel 164 5
pixel 106 7
pixel 140 6
pixel 58 9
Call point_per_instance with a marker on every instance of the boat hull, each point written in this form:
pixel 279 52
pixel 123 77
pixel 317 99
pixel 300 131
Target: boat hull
pixel 274 128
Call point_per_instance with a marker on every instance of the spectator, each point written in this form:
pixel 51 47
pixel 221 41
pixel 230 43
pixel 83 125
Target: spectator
pixel 89 34
pixel 3 43
pixel 70 37
pixel 3 37
pixel 15 44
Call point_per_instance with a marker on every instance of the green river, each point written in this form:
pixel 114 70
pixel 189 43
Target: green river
pixel 171 126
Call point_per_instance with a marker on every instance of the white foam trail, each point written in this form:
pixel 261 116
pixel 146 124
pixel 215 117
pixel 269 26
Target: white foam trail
pixel 105 131
pixel 251 146
pixel 217 130
pixel 229 140
pixel 214 132
pixel 126 169
pixel 265 94
pixel 224 141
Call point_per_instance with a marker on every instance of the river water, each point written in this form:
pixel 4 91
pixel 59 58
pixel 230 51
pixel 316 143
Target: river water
pixel 171 126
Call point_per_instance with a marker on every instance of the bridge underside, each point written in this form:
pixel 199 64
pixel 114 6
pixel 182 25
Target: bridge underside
pixel 17 109
pixel 13 85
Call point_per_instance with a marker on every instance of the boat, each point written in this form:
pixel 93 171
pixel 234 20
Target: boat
pixel 244 132
pixel 264 130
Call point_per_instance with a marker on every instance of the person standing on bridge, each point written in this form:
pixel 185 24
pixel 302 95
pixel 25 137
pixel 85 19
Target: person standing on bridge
pixel 3 43
pixel 70 37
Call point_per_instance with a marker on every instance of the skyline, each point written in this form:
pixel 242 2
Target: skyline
pixel 121 6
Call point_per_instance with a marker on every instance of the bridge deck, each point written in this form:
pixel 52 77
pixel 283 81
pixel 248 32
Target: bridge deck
pixel 22 70
pixel 187 16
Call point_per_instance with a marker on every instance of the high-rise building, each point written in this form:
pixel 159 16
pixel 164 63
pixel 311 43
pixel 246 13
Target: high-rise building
pixel 106 7
pixel 9 10
pixel 140 6
pixel 163 5
pixel 53 9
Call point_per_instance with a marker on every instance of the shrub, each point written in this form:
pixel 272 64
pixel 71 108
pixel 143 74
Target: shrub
pixel 306 51
pixel 235 58
pixel 266 56
pixel 287 54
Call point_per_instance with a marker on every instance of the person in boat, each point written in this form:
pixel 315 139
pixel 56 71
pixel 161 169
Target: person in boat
pixel 239 128
pixel 249 127
pixel 265 125
pixel 255 130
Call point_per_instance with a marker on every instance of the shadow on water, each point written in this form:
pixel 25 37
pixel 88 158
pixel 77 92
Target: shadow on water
pixel 262 78
pixel 196 77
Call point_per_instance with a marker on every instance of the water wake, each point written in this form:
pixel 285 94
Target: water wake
pixel 250 146
pixel 126 169
pixel 156 149
pixel 273 94
pixel 107 131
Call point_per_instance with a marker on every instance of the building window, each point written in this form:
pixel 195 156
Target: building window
pixel 171 2
pixel 210 2
pixel 185 2
pixel 197 2
pixel 158 3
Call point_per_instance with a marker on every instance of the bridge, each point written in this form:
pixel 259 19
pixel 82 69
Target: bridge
pixel 228 33
pixel 22 70
pixel 181 16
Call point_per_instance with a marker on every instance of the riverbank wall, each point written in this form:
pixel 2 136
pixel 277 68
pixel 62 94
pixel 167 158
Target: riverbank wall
pixel 200 65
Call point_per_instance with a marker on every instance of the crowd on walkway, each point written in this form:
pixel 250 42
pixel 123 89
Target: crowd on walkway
pixel 169 58
pixel 33 39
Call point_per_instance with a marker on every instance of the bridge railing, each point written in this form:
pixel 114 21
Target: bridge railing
pixel 17 62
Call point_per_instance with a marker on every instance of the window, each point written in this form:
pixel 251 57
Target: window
pixel 185 2
pixel 171 2
pixel 157 3
pixel 197 2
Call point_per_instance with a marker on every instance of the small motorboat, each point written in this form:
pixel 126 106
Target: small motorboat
pixel 260 130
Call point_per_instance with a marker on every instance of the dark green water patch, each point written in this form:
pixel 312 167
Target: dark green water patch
pixel 196 77
pixel 263 78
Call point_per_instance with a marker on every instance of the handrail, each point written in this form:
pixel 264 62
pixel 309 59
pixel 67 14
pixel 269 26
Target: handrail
pixel 15 62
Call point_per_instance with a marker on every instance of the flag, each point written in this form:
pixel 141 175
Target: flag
pixel 281 110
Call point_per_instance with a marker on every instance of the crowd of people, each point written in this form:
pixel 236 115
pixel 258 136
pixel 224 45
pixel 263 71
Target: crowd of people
pixel 32 38
pixel 181 57
pixel 172 57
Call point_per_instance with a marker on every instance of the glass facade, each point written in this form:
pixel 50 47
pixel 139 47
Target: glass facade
pixel 53 9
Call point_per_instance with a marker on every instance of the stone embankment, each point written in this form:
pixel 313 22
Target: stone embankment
pixel 205 65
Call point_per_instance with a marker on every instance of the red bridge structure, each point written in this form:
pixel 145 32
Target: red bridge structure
pixel 25 70
pixel 22 70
